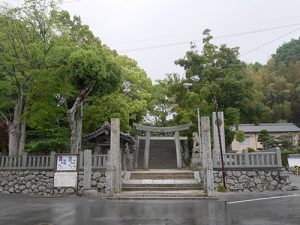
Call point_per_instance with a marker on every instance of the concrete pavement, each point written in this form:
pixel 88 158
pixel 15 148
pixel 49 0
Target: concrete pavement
pixel 23 210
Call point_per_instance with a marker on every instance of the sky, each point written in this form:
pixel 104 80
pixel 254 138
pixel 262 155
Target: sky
pixel 157 32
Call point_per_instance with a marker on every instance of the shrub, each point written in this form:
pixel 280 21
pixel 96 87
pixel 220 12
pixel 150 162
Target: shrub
pixel 221 188
pixel 285 154
pixel 240 136
pixel 251 149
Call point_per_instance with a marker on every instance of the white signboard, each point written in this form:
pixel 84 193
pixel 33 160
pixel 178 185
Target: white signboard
pixel 66 163
pixel 65 179
pixel 293 162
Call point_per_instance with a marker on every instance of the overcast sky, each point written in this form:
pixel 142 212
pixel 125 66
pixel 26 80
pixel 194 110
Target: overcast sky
pixel 157 32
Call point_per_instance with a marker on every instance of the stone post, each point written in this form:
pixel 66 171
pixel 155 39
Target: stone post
pixel 147 150
pixel 87 169
pixel 207 158
pixel 114 182
pixel 52 159
pixel 278 156
pixel 24 159
pixel 178 150
pixel 216 148
pixel 246 155
pixel 137 149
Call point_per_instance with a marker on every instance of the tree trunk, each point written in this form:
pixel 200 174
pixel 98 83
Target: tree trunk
pixel 14 128
pixel 22 138
pixel 13 139
pixel 75 119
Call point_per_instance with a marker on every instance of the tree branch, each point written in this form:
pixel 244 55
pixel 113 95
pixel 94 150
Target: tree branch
pixel 81 97
pixel 4 118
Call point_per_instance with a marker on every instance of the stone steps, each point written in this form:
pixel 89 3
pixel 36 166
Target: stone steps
pixel 162 154
pixel 170 180
pixel 157 194
pixel 160 187
pixel 160 176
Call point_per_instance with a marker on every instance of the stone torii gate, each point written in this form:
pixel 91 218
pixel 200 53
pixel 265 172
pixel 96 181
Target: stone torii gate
pixel 172 134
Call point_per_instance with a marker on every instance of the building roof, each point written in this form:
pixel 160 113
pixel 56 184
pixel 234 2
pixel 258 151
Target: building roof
pixel 271 127
pixel 294 156
pixel 105 129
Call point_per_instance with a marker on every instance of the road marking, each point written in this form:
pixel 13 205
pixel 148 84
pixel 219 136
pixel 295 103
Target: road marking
pixel 261 199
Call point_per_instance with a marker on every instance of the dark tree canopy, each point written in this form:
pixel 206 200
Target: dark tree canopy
pixel 288 52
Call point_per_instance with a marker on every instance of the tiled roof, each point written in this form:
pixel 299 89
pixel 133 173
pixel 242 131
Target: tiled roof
pixel 104 129
pixel 271 127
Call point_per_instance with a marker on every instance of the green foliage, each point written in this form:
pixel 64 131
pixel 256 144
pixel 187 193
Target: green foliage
pixel 136 86
pixel 277 84
pixel 93 67
pixel 240 136
pixel 264 137
pixel 288 52
pixel 50 58
pixel 220 82
pixel 250 150
pixel 46 140
pixel 102 109
pixel 221 188
pixel 286 141
pixel 266 140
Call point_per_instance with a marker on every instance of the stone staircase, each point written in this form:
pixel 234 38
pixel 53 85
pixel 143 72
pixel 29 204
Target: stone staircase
pixel 161 180
pixel 162 154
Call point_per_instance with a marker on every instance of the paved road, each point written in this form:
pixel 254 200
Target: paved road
pixel 23 210
pixel 295 180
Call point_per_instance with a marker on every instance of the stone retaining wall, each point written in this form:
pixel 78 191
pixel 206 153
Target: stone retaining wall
pixel 255 181
pixel 41 183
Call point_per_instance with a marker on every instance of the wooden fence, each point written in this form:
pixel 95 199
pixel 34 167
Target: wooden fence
pixel 267 159
pixel 98 161
pixel 45 162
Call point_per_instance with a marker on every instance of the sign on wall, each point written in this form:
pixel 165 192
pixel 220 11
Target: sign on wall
pixel 66 163
pixel 65 179
pixel 66 174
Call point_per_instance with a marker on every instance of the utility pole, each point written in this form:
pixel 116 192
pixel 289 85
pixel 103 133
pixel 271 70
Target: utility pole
pixel 220 140
pixel 199 127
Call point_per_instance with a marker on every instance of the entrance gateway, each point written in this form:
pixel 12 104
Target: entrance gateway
pixel 161 147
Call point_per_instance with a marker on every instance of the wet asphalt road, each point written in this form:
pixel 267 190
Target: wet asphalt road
pixel 20 209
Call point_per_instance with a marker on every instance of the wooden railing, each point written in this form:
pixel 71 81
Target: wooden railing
pixel 11 162
pixel 27 162
pixel 99 161
pixel 45 162
pixel 270 159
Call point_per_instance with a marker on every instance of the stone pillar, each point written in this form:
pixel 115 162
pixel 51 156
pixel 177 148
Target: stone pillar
pixel 178 150
pixel 216 148
pixel 24 160
pixel 87 168
pixel 52 159
pixel 124 159
pixel 207 158
pixel 278 156
pixel 147 150
pixel 114 182
pixel 136 153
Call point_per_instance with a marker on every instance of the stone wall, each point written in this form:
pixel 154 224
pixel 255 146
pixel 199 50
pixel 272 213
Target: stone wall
pixel 41 183
pixel 255 181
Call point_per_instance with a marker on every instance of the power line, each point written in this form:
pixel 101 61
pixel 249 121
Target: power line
pixel 257 31
pixel 198 33
pixel 67 2
pixel 218 37
pixel 269 42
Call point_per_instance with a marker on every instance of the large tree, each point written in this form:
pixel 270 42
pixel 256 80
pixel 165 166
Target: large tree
pixel 25 42
pixel 130 103
pixel 90 71
pixel 220 79
pixel 51 63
